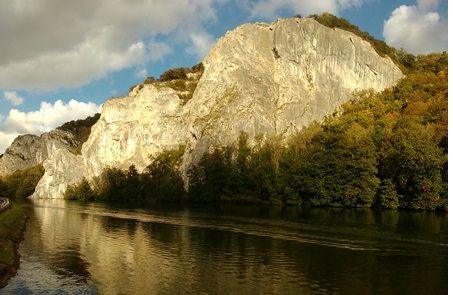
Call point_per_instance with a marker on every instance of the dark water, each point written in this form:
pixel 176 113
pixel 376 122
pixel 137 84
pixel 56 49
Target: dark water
pixel 72 248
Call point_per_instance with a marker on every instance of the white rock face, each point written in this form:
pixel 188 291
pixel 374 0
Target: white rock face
pixel 30 150
pixel 132 129
pixel 61 170
pixel 278 78
pixel 260 78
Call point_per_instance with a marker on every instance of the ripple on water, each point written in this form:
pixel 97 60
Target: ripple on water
pixel 85 249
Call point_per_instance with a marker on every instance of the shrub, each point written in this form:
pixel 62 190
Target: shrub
pixel 173 74
pixel 149 80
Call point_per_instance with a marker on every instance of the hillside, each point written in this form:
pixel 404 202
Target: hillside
pixel 257 100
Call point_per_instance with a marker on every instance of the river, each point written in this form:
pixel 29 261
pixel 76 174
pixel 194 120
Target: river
pixel 75 248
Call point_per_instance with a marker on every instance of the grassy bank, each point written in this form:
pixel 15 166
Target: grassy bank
pixel 12 226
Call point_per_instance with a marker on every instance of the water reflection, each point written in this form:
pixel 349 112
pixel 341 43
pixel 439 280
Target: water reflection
pixel 91 248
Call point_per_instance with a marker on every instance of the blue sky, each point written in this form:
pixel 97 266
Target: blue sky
pixel 62 59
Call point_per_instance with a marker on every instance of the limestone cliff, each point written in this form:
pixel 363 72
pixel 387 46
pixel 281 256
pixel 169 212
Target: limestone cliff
pixel 260 78
pixel 277 78
pixel 29 150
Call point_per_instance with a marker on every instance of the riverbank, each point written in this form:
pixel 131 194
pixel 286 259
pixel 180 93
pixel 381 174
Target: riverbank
pixel 12 227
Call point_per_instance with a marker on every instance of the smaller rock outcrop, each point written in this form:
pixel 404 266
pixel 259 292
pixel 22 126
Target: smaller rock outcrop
pixel 65 169
pixel 30 150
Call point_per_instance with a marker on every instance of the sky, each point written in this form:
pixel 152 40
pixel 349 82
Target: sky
pixel 60 60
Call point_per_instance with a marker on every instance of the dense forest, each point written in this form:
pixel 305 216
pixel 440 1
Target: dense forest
pixel 386 150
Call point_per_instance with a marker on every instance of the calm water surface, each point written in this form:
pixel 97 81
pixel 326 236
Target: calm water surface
pixel 74 248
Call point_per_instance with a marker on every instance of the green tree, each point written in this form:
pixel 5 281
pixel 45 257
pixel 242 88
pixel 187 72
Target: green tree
pixel 80 191
pixel 162 180
pixel 387 196
pixel 416 166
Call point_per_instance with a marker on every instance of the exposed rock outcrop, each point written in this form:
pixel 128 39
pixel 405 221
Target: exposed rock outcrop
pixel 61 170
pixel 30 150
pixel 277 78
pixel 260 78
pixel 133 128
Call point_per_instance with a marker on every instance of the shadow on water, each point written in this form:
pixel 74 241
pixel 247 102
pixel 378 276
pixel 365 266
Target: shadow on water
pixel 219 249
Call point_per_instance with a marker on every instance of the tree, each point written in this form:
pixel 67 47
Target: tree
pixel 415 165
pixel 387 196
pixel 80 191
pixel 162 180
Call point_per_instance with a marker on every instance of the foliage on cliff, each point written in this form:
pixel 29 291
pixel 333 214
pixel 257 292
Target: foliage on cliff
pixel 22 183
pixel 400 57
pixel 81 129
pixel 183 80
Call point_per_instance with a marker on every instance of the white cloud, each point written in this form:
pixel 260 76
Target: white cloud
pixel 158 51
pixel 13 98
pixel 428 4
pixel 140 73
pixel 270 8
pixel 417 29
pixel 48 117
pixel 6 138
pixel 201 43
pixel 46 44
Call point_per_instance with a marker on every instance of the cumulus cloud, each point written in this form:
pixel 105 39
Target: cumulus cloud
pixel 46 44
pixel 6 138
pixel 417 29
pixel 140 73
pixel 270 8
pixel 48 117
pixel 13 98
pixel 428 4
pixel 201 43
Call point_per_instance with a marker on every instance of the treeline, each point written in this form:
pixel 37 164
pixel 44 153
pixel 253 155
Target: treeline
pixel 21 184
pixel 160 182
pixel 385 150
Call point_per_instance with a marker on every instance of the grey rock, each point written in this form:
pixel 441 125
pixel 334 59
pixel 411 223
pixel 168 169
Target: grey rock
pixel 30 150
pixel 61 170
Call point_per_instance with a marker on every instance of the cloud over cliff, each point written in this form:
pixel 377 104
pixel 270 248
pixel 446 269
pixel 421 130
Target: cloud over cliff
pixel 417 28
pixel 46 44
pixel 45 119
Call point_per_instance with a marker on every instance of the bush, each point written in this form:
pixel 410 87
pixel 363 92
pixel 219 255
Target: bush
pixel 180 73
pixel 173 74
pixel 149 80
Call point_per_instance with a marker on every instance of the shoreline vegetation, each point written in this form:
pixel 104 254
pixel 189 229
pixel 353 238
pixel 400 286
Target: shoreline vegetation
pixel 12 227
pixel 383 150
